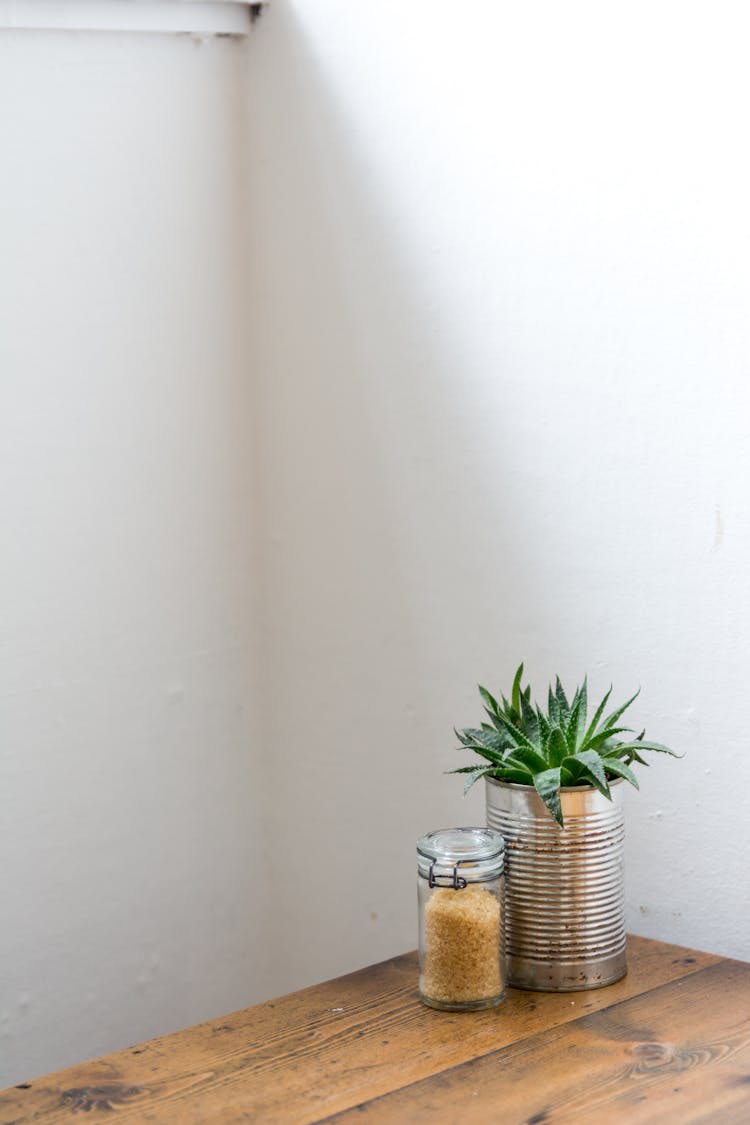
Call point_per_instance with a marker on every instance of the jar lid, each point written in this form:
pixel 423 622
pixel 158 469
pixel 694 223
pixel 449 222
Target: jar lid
pixel 466 855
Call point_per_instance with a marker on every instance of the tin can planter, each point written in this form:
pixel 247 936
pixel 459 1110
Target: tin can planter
pixel 565 889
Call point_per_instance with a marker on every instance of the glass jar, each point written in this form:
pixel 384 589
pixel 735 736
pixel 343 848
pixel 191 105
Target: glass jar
pixel 461 886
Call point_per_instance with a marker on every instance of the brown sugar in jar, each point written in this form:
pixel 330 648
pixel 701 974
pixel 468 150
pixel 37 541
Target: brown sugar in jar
pixel 461 883
pixel 462 941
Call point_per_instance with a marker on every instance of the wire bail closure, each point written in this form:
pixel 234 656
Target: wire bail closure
pixel 456 881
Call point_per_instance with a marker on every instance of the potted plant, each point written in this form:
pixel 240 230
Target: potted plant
pixel 554 790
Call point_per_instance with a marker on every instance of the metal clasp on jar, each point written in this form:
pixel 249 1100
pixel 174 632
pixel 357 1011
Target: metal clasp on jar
pixel 456 881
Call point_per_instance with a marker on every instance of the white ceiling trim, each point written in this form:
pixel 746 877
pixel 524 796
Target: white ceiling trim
pixel 203 17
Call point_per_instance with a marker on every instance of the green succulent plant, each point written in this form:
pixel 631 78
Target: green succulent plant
pixel 560 747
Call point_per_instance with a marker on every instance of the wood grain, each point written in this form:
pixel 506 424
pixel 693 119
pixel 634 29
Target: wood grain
pixel 679 1053
pixel 321 1051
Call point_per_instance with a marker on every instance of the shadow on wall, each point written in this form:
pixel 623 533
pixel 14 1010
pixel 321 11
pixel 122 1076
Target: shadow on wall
pixel 374 556
pixel 498 373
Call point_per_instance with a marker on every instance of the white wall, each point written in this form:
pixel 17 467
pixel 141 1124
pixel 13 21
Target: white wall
pixel 484 359
pixel 130 881
pixel 502 275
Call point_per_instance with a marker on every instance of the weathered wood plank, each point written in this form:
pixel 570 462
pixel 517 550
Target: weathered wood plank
pixel 319 1051
pixel 679 1053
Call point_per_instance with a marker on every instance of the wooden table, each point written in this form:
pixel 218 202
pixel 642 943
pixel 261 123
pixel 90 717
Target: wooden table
pixel 669 1043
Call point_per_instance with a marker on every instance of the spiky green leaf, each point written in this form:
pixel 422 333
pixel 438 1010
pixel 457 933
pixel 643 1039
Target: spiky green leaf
pixel 603 737
pixel 658 747
pixel 577 721
pixel 515 736
pixel 547 785
pixel 562 701
pixel 491 739
pixel 487 744
pixel 612 719
pixel 530 721
pixel 615 766
pixel 593 769
pixel 490 703
pixel 488 755
pixel 519 777
pixel 473 779
pixel 544 730
pixel 553 708
pixel 530 758
pixel 506 711
pixel 513 763
pixel 557 746
pixel 571 772
pixel 597 716
pixel 516 692
pixel 518 774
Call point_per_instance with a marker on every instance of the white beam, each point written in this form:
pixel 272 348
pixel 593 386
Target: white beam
pixel 206 17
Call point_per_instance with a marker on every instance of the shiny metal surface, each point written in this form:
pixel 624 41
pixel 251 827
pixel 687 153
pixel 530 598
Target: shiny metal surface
pixel 565 908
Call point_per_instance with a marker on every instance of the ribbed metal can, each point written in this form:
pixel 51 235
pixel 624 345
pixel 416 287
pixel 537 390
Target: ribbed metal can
pixel 565 887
